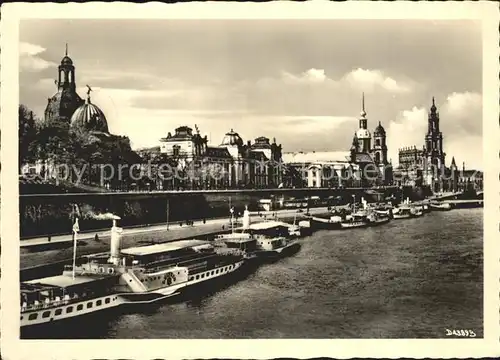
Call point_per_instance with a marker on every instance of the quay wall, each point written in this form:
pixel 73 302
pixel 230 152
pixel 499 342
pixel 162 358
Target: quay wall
pixel 52 214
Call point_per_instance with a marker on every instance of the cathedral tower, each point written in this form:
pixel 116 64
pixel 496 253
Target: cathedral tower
pixel 434 155
pixel 62 105
pixel 363 134
pixel 380 145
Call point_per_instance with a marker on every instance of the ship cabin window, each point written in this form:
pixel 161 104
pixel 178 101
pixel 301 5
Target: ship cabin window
pixel 202 276
pixel 190 278
pixel 98 303
pixel 58 312
pixel 46 314
pixel 69 309
pixel 33 316
pixel 212 273
pixel 79 307
pixel 89 305
pixel 197 277
pixel 107 300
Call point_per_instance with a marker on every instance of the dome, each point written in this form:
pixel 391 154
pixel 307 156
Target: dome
pixel 379 130
pixel 232 138
pixel 66 61
pixel 363 134
pixel 89 117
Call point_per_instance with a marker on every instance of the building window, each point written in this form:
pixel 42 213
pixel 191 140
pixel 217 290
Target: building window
pixel 58 312
pixel 46 314
pixel 89 305
pixel 79 307
pixel 176 150
pixel 98 303
pixel 69 310
pixel 33 316
pixel 107 300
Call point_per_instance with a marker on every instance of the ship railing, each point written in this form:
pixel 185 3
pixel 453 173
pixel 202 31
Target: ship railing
pixel 49 303
pixel 177 263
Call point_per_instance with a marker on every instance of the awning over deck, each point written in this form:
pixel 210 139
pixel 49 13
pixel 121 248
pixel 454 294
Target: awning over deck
pixel 63 281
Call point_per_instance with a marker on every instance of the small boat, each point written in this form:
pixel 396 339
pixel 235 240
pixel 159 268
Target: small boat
pixel 402 213
pixel 440 206
pixel 305 227
pixel 356 220
pixel 382 212
pixel 268 239
pixel 417 211
pixel 330 223
pixel 376 219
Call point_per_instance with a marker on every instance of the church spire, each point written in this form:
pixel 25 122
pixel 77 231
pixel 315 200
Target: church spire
pixel 363 112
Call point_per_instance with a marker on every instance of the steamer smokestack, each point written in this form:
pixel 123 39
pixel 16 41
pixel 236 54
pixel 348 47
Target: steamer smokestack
pixel 246 218
pixel 115 242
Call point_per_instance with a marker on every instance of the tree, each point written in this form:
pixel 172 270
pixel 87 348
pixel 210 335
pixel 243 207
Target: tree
pixel 27 134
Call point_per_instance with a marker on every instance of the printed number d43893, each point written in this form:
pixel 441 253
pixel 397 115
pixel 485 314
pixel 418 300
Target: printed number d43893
pixel 460 333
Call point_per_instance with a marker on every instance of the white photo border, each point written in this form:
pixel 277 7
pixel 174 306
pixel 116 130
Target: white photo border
pixel 14 348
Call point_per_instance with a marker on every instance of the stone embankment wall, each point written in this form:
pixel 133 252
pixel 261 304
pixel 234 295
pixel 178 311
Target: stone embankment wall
pixel 51 214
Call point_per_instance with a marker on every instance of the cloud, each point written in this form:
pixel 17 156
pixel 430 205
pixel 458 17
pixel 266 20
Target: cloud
pixel 408 129
pixel 30 60
pixel 460 124
pixel 310 76
pixel 373 80
pixel 462 114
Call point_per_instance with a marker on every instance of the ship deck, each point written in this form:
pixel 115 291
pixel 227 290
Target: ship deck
pixel 161 248
pixel 62 281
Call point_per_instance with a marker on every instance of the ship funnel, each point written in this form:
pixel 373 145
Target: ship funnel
pixel 115 243
pixel 246 218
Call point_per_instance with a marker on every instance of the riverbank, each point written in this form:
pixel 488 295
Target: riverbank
pixel 89 245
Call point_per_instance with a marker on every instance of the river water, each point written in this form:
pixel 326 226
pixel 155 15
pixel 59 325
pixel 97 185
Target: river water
pixel 407 279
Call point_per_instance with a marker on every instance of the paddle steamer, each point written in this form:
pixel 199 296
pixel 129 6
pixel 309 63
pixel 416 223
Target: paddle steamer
pixel 135 275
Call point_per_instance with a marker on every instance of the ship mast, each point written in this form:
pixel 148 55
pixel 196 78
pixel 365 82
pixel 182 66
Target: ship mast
pixel 76 229
pixel 231 210
pixel 168 212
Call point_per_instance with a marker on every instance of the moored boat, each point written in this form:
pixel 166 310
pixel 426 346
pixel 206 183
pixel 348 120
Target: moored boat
pixel 401 213
pixel 417 211
pixel 328 223
pixel 135 275
pixel 376 219
pixel 356 220
pixel 267 239
pixel 440 206
pixel 305 227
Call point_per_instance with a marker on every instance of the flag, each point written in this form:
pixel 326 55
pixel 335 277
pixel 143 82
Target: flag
pixel 76 227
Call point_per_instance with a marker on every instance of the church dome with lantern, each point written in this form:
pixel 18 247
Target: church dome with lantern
pixel 89 117
pixel 66 60
pixel 232 138
pixel 379 130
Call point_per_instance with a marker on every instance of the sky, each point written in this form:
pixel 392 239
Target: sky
pixel 299 81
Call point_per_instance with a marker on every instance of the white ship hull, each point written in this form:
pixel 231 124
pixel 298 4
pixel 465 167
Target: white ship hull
pixel 43 315
pixel 401 216
pixel 177 289
pixel 354 224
